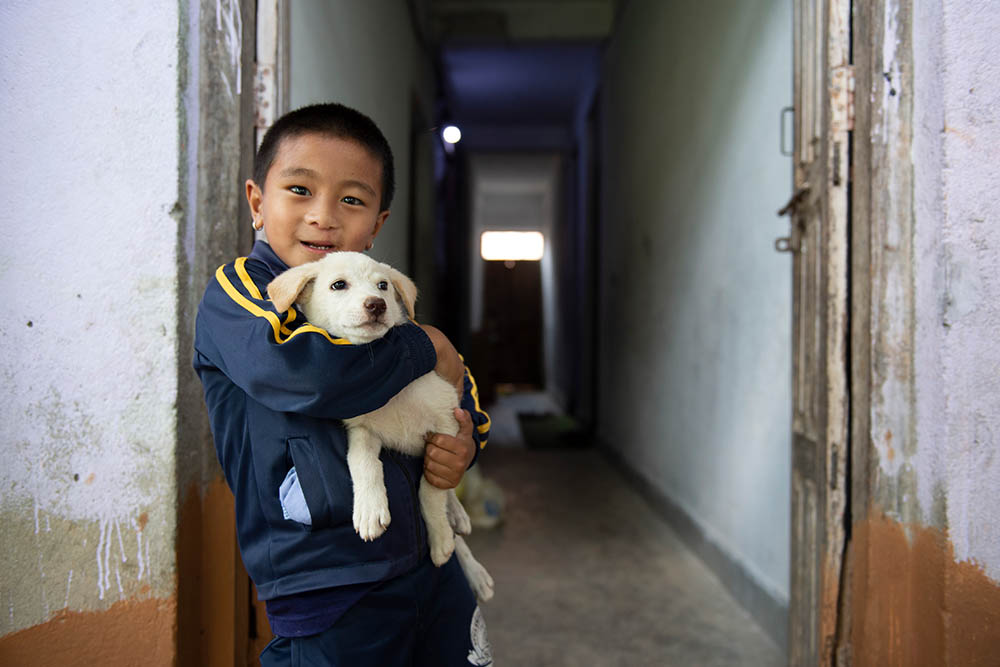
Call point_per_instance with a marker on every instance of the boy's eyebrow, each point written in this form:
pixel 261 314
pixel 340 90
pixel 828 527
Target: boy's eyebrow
pixel 292 172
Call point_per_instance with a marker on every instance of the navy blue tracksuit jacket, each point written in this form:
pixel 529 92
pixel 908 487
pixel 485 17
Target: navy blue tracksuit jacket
pixel 276 388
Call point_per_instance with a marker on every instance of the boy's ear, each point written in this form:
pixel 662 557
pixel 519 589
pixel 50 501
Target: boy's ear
pixel 406 290
pixel 292 285
pixel 254 197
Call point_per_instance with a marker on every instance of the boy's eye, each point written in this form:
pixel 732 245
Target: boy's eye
pixel 353 201
pixel 383 285
pixel 299 190
pixel 339 285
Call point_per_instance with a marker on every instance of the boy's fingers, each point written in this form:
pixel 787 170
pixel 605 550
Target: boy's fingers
pixel 438 477
pixel 441 469
pixel 442 456
pixel 464 422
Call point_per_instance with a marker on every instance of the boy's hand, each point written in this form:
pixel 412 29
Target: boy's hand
pixel 449 364
pixel 446 457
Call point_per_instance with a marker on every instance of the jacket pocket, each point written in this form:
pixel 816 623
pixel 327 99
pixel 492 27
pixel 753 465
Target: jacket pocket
pixel 316 481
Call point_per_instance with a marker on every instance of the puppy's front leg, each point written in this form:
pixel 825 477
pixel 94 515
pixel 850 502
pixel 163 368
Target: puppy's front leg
pixel 371 504
pixel 433 505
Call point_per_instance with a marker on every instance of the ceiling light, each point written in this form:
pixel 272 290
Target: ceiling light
pixel 451 134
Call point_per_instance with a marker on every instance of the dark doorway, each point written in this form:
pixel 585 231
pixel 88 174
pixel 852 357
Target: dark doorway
pixel 509 347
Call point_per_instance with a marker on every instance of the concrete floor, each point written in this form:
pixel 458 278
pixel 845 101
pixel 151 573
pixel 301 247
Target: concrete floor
pixel 588 575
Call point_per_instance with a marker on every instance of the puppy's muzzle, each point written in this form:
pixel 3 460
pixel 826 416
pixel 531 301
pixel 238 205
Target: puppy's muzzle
pixel 375 307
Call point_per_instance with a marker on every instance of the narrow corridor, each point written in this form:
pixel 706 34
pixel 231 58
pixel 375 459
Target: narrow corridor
pixel 588 574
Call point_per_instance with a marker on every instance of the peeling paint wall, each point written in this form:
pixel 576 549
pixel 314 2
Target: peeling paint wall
pixel 696 304
pixel 89 269
pixel 956 157
pixel 924 557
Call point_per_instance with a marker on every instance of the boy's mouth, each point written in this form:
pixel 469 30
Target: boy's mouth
pixel 318 247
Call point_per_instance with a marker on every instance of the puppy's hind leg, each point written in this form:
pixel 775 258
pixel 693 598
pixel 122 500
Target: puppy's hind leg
pixel 433 505
pixel 371 503
pixel 479 579
pixel 457 516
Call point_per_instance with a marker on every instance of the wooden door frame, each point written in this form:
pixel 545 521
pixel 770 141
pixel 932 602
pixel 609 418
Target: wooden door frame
pixel 882 333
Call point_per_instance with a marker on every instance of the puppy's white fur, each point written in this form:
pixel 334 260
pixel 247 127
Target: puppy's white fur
pixel 351 295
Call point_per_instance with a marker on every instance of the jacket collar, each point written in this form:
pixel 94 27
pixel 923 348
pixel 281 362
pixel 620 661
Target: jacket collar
pixel 264 253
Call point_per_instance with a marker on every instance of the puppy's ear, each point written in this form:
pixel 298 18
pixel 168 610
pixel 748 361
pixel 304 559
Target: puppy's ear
pixel 406 290
pixel 292 285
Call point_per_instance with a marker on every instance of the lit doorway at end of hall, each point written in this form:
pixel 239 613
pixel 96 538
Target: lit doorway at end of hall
pixel 512 311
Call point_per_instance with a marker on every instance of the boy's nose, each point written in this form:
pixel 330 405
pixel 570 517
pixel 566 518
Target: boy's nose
pixel 321 217
pixel 375 306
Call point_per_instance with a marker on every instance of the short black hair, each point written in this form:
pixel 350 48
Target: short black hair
pixel 331 119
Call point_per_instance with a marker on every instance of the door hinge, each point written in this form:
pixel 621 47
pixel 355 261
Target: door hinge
pixel 842 85
pixel 265 88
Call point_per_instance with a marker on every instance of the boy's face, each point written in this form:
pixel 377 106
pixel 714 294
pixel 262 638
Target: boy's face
pixel 322 194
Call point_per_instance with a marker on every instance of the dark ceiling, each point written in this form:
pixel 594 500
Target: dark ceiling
pixel 519 62
pixel 534 84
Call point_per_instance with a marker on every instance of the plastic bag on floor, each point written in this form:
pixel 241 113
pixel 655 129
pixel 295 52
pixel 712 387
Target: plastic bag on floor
pixel 482 498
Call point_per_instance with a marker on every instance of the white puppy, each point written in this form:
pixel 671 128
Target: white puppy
pixel 351 295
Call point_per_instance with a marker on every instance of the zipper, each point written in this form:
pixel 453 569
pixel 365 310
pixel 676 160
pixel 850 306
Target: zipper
pixel 416 503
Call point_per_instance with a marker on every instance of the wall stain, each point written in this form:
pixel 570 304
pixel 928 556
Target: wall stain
pixel 914 605
pixel 131 632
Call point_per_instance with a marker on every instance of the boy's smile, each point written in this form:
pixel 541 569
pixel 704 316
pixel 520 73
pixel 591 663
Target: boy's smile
pixel 322 194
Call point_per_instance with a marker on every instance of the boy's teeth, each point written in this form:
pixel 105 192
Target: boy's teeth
pixel 319 247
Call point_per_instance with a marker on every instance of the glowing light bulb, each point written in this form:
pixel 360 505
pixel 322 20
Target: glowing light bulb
pixel 451 134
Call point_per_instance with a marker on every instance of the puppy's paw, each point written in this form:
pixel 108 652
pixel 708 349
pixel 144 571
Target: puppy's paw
pixel 371 516
pixel 458 518
pixel 480 581
pixel 442 547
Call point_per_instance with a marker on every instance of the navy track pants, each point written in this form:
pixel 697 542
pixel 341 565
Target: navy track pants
pixel 426 618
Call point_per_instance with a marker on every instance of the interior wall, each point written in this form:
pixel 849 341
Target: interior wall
pixel 366 55
pixel 957 65
pixel 93 203
pixel 695 304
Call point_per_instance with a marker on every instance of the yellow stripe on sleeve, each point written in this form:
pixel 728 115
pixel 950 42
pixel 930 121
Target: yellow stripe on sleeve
pixel 482 428
pixel 276 325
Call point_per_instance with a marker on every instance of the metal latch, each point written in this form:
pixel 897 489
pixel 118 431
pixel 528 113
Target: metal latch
pixel 796 199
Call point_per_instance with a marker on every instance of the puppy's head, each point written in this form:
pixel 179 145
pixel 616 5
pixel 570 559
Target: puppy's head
pixel 348 294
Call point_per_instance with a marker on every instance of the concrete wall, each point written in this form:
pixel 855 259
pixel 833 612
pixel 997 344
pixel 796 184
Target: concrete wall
pixel 956 157
pixel 91 138
pixel 366 55
pixel 924 560
pixel 124 158
pixel 695 303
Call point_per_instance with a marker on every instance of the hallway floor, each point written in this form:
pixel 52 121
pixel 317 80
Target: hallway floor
pixel 587 574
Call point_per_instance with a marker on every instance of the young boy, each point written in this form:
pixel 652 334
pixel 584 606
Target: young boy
pixel 276 391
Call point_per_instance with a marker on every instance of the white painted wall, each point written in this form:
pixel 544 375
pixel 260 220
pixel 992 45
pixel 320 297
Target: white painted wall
pixel 88 266
pixel 695 303
pixel 956 156
pixel 365 55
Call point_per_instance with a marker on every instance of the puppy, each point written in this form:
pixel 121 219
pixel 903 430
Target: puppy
pixel 351 295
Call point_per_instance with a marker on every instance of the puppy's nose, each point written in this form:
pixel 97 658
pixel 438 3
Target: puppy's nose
pixel 375 306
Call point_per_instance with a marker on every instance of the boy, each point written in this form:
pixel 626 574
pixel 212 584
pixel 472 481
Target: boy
pixel 276 389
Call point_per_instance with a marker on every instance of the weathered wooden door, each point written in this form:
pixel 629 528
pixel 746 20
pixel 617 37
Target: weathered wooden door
pixel 818 240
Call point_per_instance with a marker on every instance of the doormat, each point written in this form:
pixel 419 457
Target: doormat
pixel 552 432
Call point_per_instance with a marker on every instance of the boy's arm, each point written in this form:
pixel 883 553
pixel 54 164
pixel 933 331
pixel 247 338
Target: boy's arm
pixel 291 366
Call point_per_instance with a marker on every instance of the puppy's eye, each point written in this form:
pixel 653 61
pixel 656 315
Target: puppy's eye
pixel 339 285
pixel 383 285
